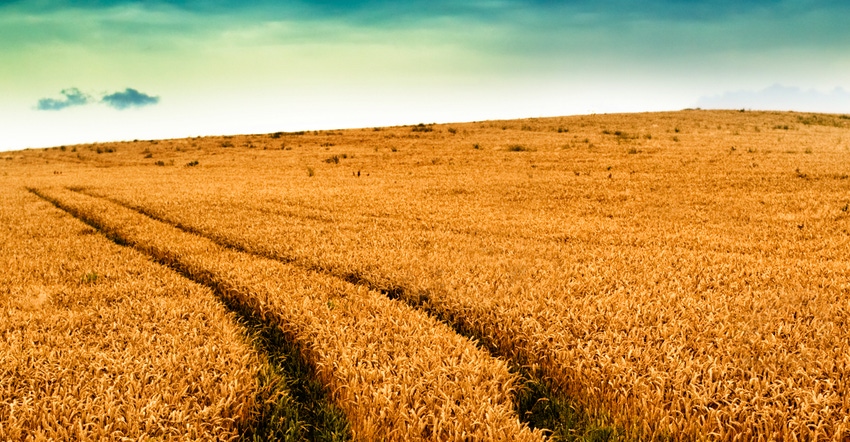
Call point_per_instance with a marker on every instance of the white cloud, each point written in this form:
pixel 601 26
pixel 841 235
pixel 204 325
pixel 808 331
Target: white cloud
pixel 778 97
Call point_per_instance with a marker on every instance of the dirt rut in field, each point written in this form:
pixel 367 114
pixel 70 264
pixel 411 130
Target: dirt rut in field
pixel 396 372
pixel 537 403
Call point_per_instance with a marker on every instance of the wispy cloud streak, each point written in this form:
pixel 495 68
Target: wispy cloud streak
pixel 778 97
pixel 73 97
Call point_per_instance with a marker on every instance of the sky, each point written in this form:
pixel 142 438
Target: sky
pixel 110 70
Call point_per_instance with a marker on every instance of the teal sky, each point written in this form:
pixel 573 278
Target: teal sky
pixel 87 71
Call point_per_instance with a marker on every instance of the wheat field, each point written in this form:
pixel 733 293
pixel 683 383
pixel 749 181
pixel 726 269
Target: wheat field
pixel 666 276
pixel 99 343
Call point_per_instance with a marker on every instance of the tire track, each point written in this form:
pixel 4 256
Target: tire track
pixel 396 372
pixel 535 401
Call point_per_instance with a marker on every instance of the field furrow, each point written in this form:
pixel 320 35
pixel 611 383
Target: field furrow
pixel 397 373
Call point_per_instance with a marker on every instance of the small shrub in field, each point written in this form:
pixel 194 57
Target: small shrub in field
pixel 310 171
pixel 332 160
pixel 192 163
pixel 276 135
pixel 422 128
pixel 89 278
pixel 517 148
pixel 632 151
pixel 620 134
pixel 476 146
pixel 160 163
pixel 452 130
pixel 823 120
pixel 394 149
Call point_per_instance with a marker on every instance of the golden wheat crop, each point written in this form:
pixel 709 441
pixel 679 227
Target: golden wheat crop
pixel 398 374
pixel 98 343
pixel 681 275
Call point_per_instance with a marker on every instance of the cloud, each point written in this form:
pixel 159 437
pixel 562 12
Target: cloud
pixel 778 97
pixel 119 100
pixel 73 97
pixel 129 98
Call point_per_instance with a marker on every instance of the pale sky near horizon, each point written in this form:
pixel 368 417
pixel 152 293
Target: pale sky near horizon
pixel 109 70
